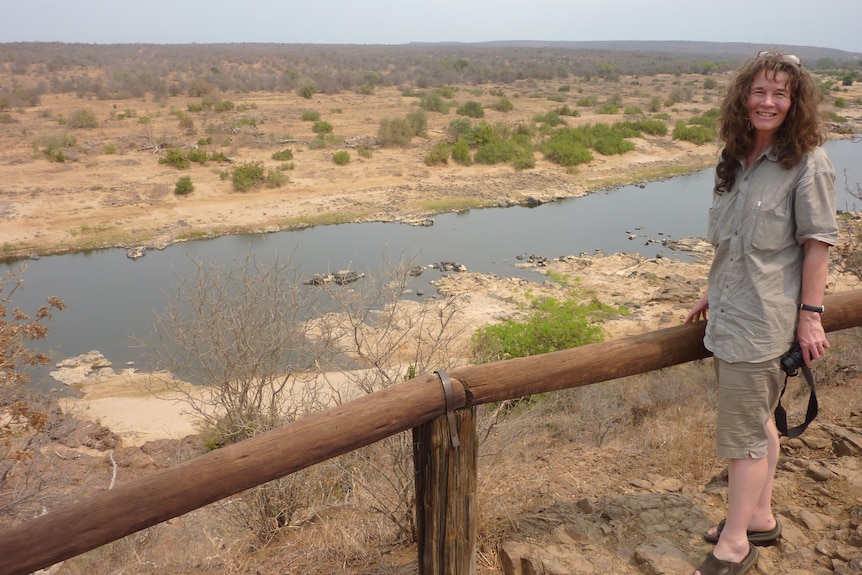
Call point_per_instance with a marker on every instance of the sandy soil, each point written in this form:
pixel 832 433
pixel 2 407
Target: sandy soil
pixel 112 191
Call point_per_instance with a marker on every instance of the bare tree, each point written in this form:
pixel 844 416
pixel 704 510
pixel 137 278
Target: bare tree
pixel 266 349
pixel 391 338
pixel 241 333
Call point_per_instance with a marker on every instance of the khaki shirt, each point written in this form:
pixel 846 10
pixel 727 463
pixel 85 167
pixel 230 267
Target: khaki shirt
pixel 758 228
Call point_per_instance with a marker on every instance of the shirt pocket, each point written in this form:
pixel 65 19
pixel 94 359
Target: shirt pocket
pixel 719 222
pixel 773 226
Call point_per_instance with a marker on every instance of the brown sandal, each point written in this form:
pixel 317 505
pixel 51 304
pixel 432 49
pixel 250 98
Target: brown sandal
pixel 756 537
pixel 714 566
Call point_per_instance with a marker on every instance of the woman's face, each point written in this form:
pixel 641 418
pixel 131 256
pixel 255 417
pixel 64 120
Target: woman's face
pixel 768 101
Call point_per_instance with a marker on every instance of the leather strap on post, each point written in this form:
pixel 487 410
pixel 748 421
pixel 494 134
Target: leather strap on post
pixel 781 415
pixel 450 408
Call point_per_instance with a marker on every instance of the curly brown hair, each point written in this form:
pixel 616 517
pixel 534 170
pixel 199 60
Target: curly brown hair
pixel 801 131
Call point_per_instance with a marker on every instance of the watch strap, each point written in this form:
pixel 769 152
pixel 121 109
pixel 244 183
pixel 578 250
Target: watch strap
pixel 814 308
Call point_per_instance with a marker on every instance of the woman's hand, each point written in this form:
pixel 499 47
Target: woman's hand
pixel 811 337
pixel 699 311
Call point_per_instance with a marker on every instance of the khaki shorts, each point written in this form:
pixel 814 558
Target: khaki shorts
pixel 747 396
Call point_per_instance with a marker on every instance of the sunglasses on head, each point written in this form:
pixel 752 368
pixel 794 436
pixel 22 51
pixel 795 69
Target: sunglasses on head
pixel 786 58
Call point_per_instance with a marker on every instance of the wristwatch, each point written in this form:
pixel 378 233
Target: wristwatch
pixel 814 308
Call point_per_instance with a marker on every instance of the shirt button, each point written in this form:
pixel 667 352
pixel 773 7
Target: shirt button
pixel 736 233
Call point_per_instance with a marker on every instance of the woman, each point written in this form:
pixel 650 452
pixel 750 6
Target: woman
pixel 771 224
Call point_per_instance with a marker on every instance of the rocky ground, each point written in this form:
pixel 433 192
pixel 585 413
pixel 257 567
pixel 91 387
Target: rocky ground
pixel 652 524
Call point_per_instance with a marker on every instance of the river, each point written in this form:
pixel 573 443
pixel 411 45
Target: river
pixel 112 300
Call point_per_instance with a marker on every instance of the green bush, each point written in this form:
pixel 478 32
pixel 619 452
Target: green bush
pixel 184 186
pixel 310 116
pixel 363 152
pixel 307 90
pixel 524 158
pixel 317 143
pixel 461 153
pixel 564 110
pixel 322 127
pixel 460 127
pixel 697 134
pixel 527 130
pixel 224 106
pixel 219 157
pixel 283 155
pixel 709 118
pixel 632 111
pixel 471 109
pixel 83 118
pixel 610 144
pixel 608 109
pixel 249 121
pixel 341 157
pixel 433 102
pixel 247 176
pixel 275 179
pixel 175 158
pixel 633 129
pixel 417 121
pixel 552 119
pixel 497 152
pixel 394 132
pixel 439 154
pixel 110 149
pixel 566 148
pixel 552 325
pixel 198 155
pixel 447 92
pixel 481 134
pixel 833 117
pixel 54 155
pixel 503 105
pixel 187 123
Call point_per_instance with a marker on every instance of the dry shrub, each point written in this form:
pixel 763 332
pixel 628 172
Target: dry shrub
pixel 196 542
pixel 339 539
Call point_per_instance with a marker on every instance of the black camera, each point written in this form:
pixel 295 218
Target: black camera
pixel 792 360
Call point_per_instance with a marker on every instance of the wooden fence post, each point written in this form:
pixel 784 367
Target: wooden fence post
pixel 446 495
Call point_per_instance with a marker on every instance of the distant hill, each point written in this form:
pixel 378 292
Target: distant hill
pixel 692 49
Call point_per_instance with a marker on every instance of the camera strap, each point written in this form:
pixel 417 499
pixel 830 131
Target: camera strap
pixel 781 415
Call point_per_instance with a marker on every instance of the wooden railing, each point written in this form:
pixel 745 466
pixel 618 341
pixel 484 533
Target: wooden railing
pixel 445 476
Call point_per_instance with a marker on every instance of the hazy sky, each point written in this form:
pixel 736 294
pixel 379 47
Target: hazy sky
pixel 823 23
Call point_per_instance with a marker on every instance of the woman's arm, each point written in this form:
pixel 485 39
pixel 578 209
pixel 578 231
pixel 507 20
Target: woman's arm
pixel 809 331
